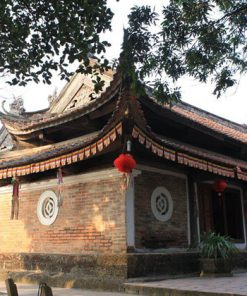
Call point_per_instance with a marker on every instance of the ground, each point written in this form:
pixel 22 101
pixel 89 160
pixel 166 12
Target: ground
pixel 192 286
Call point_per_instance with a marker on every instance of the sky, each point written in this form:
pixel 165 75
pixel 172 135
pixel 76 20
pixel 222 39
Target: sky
pixel 231 105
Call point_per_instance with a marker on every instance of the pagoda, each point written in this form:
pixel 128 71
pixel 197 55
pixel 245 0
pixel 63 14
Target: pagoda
pixel 71 217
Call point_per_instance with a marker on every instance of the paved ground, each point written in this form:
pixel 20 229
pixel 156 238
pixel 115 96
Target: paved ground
pixel 235 285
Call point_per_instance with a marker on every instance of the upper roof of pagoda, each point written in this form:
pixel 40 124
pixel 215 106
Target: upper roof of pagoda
pixel 75 100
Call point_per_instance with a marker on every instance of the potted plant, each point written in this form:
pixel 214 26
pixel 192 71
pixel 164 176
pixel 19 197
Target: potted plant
pixel 217 254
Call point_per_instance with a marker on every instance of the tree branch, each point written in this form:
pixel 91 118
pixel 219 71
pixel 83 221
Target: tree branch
pixel 234 12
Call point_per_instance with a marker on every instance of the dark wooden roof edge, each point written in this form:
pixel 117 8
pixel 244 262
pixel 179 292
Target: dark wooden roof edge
pixel 163 147
pixel 191 156
pixel 23 117
pixel 43 155
pixel 195 151
pixel 61 155
pixel 206 154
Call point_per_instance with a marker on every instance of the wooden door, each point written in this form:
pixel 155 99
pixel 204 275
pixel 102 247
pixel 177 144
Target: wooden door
pixel 221 213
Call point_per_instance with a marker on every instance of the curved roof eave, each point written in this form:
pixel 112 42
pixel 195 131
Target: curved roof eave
pixel 23 126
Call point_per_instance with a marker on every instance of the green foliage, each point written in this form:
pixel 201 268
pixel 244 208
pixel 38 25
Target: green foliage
pixel 203 39
pixel 138 60
pixel 216 246
pixel 37 37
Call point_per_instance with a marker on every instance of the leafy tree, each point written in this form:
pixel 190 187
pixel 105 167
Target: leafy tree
pixel 205 39
pixel 38 36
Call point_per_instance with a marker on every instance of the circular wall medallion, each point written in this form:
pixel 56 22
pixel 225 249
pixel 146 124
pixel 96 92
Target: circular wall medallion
pixel 162 204
pixel 47 207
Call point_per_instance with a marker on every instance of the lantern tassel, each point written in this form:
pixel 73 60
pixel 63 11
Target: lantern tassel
pixel 127 180
pixel 60 186
pixel 15 199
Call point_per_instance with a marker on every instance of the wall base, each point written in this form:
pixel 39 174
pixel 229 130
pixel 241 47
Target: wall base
pixel 75 271
pixel 107 272
pixel 65 280
pixel 151 264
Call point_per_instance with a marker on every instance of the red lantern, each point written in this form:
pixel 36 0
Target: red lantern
pixel 220 186
pixel 125 163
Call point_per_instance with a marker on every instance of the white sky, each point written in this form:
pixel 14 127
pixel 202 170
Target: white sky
pixel 232 105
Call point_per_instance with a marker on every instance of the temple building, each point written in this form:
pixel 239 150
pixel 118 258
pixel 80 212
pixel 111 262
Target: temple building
pixel 68 213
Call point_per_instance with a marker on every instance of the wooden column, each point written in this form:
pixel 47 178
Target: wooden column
pixel 193 210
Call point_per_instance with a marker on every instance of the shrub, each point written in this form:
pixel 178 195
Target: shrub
pixel 215 246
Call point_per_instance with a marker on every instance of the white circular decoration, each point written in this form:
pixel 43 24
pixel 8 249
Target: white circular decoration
pixel 162 204
pixel 47 207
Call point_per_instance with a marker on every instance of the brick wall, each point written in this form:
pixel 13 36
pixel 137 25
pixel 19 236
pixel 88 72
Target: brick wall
pixel 91 219
pixel 150 232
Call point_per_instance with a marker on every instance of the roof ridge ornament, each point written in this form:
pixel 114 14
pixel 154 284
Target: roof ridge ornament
pixel 53 97
pixel 16 107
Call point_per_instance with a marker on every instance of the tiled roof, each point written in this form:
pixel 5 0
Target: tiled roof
pixel 213 122
pixel 200 118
